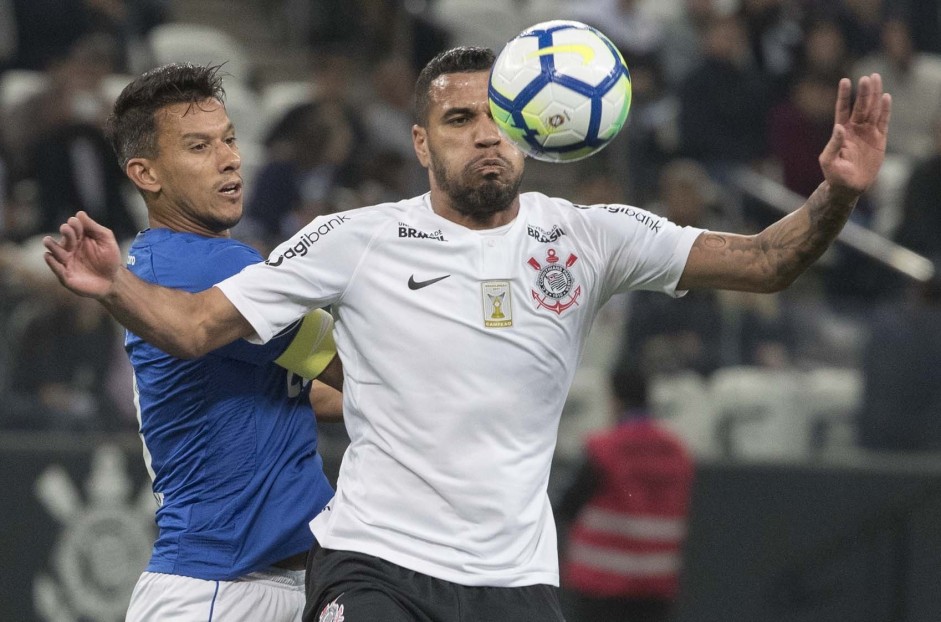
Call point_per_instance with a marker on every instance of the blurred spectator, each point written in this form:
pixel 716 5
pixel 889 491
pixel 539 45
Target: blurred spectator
pixel 920 226
pixel 798 130
pixel 926 25
pixel 704 330
pixel 774 37
pixel 315 153
pixel 627 507
pixel 47 29
pixel 723 102
pixel 8 35
pixel 684 35
pixel 663 335
pixel 652 137
pixel 388 120
pixel 824 50
pixel 861 21
pixel 60 139
pixel 914 80
pixel 6 198
pixel 625 22
pixel 902 374
pixel 64 348
pixel 311 157
pixel 597 185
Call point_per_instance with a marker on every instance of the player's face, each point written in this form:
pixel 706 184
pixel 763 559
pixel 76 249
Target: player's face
pixel 475 168
pixel 197 167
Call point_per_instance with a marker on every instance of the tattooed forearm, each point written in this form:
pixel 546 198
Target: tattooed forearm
pixel 793 243
pixel 774 258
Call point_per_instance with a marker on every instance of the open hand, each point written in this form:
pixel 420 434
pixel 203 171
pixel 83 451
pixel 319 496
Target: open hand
pixel 86 257
pixel 854 154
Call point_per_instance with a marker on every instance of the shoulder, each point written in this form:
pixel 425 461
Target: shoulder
pixel 368 221
pixel 594 215
pixel 186 260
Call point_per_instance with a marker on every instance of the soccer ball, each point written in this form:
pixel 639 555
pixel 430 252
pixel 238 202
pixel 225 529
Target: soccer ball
pixel 560 91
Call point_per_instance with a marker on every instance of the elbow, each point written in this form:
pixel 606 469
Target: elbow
pixel 187 346
pixel 185 351
pixel 778 284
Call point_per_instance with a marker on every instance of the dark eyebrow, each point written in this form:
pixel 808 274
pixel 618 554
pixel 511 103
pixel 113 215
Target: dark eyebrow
pixel 203 136
pixel 450 112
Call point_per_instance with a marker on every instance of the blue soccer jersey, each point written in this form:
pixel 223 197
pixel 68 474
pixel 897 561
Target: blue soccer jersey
pixel 230 439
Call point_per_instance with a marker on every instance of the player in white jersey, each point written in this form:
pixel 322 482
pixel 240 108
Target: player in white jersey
pixel 461 315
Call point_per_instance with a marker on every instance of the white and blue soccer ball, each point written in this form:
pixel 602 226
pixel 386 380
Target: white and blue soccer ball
pixel 560 90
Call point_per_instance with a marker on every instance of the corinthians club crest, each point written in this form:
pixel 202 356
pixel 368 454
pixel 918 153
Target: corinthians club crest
pixel 555 282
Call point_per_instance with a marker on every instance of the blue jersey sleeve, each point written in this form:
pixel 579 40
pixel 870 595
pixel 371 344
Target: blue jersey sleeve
pixel 194 263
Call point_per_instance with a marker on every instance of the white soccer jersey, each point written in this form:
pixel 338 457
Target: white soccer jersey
pixel 458 349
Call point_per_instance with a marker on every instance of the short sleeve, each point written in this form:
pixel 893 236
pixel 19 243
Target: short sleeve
pixel 641 250
pixel 310 270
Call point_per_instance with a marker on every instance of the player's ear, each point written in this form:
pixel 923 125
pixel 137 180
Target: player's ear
pixel 420 142
pixel 141 172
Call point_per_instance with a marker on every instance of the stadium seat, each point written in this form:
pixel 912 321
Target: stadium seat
pixel 242 105
pixel 113 85
pixel 831 396
pixel 180 42
pixel 279 97
pixel 757 413
pixel 490 23
pixel 587 409
pixel 682 402
pixel 18 85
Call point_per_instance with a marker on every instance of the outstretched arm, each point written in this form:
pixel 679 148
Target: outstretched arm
pixel 771 260
pixel 87 260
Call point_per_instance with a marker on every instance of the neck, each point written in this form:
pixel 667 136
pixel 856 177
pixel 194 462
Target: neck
pixel 443 206
pixel 183 225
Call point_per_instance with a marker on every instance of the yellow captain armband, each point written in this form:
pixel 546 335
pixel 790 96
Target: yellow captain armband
pixel 312 348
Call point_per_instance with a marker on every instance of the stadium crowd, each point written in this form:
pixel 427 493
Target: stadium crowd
pixel 717 85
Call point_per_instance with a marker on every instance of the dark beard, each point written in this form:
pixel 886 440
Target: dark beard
pixel 476 202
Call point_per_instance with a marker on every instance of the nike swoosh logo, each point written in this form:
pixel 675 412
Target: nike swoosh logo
pixel 413 284
pixel 586 52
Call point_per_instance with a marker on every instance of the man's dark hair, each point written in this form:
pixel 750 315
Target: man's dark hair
pixel 132 125
pixel 629 387
pixel 456 60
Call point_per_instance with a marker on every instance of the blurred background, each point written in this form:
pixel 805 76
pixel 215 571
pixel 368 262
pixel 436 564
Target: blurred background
pixel 811 418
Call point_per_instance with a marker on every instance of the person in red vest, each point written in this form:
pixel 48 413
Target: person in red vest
pixel 628 507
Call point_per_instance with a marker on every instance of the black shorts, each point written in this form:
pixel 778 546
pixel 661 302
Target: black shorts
pixel 354 587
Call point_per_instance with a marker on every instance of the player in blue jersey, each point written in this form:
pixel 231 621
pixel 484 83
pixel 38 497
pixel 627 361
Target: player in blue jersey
pixel 229 438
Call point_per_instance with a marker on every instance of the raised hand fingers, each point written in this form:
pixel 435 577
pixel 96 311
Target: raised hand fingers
pixel 885 113
pixel 863 101
pixel 870 100
pixel 90 227
pixel 842 113
pixel 54 250
pixel 70 232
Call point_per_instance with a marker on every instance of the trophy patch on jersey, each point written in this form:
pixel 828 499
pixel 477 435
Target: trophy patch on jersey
pixel 498 308
pixel 555 286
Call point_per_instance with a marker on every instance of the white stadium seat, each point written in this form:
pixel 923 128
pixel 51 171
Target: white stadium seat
pixel 831 396
pixel 179 42
pixel 757 413
pixel 18 85
pixel 683 403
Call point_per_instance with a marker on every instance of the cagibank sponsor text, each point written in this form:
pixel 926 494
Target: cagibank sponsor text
pixel 308 239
